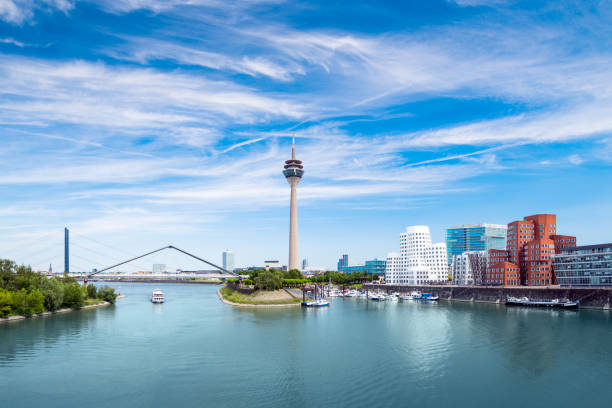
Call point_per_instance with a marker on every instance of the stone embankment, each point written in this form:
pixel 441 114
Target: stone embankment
pixel 593 298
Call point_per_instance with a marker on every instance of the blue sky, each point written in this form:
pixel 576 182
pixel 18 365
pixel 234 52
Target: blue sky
pixel 142 123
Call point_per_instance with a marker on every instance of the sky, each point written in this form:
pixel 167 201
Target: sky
pixel 139 124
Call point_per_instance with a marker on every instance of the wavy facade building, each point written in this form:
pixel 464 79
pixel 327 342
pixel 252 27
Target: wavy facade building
pixel 420 261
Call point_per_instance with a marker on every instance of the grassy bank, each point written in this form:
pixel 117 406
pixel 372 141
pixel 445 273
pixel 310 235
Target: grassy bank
pixel 256 298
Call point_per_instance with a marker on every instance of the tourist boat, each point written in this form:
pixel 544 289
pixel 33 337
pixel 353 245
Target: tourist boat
pixel 557 303
pixel 316 303
pixel 429 296
pixel 157 296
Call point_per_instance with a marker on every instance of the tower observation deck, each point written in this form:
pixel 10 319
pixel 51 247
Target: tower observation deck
pixel 293 172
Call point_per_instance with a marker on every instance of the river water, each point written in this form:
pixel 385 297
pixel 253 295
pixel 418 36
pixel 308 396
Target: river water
pixel 194 351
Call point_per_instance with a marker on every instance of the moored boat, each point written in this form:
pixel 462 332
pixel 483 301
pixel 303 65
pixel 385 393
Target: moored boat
pixel 429 296
pixel 556 303
pixel 316 303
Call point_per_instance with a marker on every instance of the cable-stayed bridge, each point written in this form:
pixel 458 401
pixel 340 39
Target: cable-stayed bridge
pixel 84 250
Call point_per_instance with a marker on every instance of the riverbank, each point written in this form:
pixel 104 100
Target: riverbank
pixel 102 303
pixel 589 298
pixel 261 299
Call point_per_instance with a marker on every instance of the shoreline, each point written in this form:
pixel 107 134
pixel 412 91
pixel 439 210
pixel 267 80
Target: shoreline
pixel 19 318
pixel 227 302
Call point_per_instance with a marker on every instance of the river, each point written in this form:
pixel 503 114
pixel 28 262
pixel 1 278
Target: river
pixel 194 351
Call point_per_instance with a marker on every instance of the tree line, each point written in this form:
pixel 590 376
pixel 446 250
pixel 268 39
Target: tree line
pixel 273 279
pixel 24 292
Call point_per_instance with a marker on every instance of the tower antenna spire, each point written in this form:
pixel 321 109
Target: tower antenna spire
pixel 293 146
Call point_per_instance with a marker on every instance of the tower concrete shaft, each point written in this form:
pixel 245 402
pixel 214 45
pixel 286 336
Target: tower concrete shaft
pixel 294 262
pixel 293 173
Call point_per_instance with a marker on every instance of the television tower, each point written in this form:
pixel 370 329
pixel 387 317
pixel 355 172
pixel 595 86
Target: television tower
pixel 293 173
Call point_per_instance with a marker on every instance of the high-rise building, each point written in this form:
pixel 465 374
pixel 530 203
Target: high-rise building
pixel 304 264
pixel 293 173
pixel 228 260
pixel 588 265
pixel 343 262
pixel 159 268
pixel 474 237
pixel 421 261
pixel 530 246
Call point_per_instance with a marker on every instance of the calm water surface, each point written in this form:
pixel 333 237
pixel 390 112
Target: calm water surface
pixel 194 351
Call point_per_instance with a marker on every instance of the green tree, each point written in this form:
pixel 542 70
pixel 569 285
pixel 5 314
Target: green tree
pixel 53 291
pixel 73 295
pixel 269 280
pixel 91 291
pixel 293 274
pixel 6 303
pixel 107 293
pixel 27 304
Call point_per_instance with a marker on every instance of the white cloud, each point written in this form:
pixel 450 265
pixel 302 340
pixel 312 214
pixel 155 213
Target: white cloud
pixel 19 11
pixel 575 159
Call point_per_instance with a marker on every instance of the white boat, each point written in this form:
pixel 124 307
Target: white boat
pixel 416 295
pixel 378 297
pixel 361 294
pixel 316 303
pixel 157 296
pixel 393 298
pixel 407 297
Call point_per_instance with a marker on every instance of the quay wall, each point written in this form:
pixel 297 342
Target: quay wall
pixel 595 298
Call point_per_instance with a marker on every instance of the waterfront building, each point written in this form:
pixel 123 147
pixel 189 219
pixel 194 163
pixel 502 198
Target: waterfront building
pixel 420 260
pixel 587 265
pixel 530 246
pixel 474 237
pixel 468 268
pixel 228 260
pixel 293 172
pixel 343 262
pixel 159 268
pixel 374 266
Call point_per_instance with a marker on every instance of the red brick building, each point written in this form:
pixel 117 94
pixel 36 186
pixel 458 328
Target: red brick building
pixel 530 245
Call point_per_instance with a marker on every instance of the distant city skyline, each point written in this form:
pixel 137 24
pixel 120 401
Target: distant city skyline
pixel 138 125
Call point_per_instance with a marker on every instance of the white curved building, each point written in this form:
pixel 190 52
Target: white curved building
pixel 419 260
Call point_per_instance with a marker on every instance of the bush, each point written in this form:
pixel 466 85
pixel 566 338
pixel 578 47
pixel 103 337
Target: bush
pixel 53 291
pixel 108 294
pixel 91 291
pixel 73 296
pixel 27 304
pixel 269 280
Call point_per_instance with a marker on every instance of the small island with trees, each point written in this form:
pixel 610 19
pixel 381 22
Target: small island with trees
pixel 281 288
pixel 24 293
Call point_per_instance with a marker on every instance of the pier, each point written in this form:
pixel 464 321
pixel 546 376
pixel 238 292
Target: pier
pixel 592 298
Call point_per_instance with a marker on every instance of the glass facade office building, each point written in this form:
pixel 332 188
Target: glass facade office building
pixel 474 237
pixel 376 266
pixel 588 265
pixel 342 262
